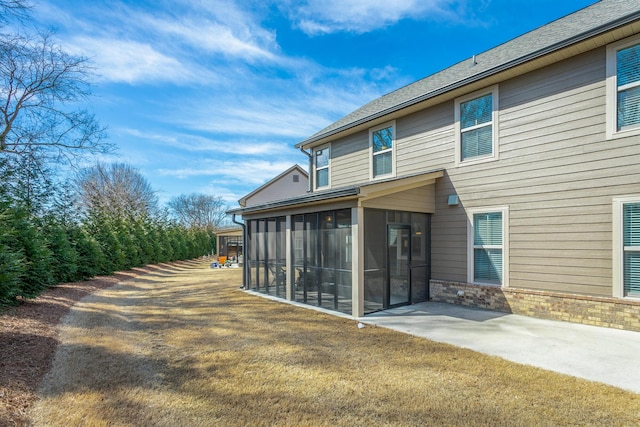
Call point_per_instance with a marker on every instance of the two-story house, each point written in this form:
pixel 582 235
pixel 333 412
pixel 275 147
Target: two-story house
pixel 509 181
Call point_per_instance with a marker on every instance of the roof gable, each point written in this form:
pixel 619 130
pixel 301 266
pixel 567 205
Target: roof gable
pixel 278 180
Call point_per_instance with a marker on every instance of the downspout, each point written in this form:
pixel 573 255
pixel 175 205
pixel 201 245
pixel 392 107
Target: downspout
pixel 310 187
pixel 244 250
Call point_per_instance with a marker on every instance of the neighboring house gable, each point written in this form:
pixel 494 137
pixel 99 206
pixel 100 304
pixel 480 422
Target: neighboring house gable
pixel 292 182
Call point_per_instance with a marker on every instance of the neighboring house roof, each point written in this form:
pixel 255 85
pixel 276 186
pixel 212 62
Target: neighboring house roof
pixel 586 23
pixel 294 168
pixel 232 231
pixel 318 196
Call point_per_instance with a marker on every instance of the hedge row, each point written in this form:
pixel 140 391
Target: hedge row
pixel 37 253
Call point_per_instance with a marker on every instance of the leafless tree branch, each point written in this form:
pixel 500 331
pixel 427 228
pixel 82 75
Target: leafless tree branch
pixel 14 9
pixel 199 210
pixel 40 88
pixel 116 189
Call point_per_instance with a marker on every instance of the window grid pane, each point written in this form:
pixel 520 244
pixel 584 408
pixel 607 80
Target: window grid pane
pixel 382 139
pixel 477 142
pixel 628 61
pixel 632 273
pixel 488 265
pixel 628 107
pixel 487 228
pixel 628 79
pixel 382 164
pixel 476 112
pixel 631 242
pixel 322 177
pixel 631 218
pixel 322 158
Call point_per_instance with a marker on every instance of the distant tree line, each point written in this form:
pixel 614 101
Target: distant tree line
pixel 57 225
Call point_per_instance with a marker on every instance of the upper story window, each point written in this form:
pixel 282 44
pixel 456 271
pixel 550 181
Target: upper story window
pixel 476 126
pixel 321 165
pixel 623 88
pixel 382 142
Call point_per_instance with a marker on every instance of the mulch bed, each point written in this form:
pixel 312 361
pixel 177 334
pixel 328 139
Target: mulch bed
pixel 29 337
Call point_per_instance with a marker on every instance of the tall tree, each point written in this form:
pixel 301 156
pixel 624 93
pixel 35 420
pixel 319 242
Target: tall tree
pixel 199 210
pixel 40 85
pixel 116 190
pixel 28 181
pixel 12 258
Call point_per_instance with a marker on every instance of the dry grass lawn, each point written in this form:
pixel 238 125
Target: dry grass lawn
pixel 183 346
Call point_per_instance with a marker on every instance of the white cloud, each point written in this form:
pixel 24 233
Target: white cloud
pixel 291 109
pixel 194 143
pixel 257 118
pixel 316 17
pixel 251 172
pixel 135 45
pixel 216 45
pixel 238 39
pixel 129 61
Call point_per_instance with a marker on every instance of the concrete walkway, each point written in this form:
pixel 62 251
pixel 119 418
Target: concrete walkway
pixel 605 355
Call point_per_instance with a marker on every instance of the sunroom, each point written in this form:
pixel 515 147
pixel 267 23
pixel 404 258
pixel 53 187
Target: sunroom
pixel 355 250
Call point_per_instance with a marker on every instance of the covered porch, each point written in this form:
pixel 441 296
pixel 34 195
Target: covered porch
pixel 355 250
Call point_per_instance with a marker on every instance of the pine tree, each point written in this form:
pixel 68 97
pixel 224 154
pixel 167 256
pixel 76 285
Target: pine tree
pixel 12 263
pixel 91 260
pixel 65 265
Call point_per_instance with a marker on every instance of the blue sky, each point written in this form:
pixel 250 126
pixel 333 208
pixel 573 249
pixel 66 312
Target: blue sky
pixel 210 96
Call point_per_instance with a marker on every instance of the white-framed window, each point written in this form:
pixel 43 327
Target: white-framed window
pixel 476 123
pixel 382 144
pixel 626 247
pixel 487 246
pixel 623 88
pixel 321 163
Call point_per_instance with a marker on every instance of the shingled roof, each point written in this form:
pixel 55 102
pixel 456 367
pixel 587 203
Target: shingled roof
pixel 591 21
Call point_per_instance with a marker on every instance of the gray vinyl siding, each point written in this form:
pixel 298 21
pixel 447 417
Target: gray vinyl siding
pixel 448 235
pixel 418 148
pixel 425 140
pixel 350 160
pixel 556 172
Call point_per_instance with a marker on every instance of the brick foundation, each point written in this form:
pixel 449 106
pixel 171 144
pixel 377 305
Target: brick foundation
pixel 589 310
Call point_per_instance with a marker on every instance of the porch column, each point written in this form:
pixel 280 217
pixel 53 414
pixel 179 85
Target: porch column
pixel 357 260
pixel 290 271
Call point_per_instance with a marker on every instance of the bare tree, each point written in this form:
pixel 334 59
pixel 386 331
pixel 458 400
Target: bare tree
pixel 199 210
pixel 116 189
pixel 40 86
pixel 13 9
